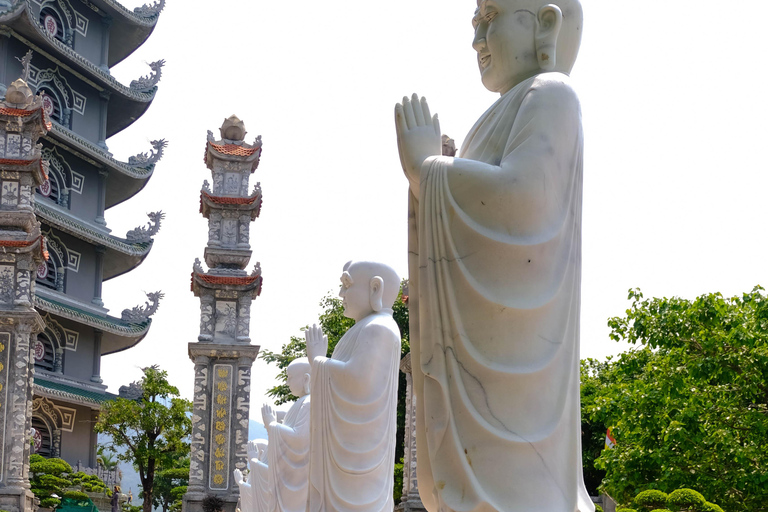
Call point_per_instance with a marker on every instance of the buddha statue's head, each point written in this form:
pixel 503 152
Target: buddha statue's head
pixel 367 287
pixel 298 373
pixel 517 39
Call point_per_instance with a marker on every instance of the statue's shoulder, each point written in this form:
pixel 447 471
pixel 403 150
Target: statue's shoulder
pixel 382 326
pixel 554 86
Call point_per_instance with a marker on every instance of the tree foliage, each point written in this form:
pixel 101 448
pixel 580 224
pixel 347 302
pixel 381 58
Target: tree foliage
pixel 688 405
pixel 154 429
pixel 170 487
pixel 334 325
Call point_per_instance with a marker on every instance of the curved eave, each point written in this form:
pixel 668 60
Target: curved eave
pixel 46 389
pixel 117 334
pixel 124 101
pixel 129 30
pixel 120 256
pixel 124 180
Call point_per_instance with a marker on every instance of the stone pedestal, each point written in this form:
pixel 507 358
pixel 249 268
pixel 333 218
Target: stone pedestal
pixel 410 500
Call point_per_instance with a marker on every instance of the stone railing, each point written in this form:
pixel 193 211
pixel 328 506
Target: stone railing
pixel 109 477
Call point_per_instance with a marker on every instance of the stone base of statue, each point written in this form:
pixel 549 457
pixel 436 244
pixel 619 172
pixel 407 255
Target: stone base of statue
pixel 193 502
pixel 410 503
pixel 16 499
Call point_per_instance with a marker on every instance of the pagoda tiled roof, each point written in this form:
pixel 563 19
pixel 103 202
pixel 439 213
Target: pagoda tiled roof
pixel 135 177
pixel 27 243
pixel 230 200
pixel 22 112
pixel 233 149
pixel 72 394
pixel 39 161
pixel 235 280
pixel 229 280
pixel 126 255
pixel 126 104
pixel 130 29
pixel 118 335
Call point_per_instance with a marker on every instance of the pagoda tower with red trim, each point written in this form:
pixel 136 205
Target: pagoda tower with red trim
pixel 22 122
pixel 223 354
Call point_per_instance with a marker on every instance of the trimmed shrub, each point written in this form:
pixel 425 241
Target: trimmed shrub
pixel 661 510
pixel 685 499
pixel 625 510
pixel 598 508
pixel 651 499
pixel 710 507
pixel 76 495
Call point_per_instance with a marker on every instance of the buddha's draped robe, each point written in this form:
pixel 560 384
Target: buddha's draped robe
pixel 495 270
pixel 354 415
pixel 288 458
pixel 260 480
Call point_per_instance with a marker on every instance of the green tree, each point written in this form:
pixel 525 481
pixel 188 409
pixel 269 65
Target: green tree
pixel 688 405
pixel 154 429
pixel 106 457
pixel 170 487
pixel 334 325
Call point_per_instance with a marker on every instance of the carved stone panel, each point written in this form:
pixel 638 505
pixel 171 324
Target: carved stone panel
pixel 5 350
pixel 7 283
pixel 9 193
pixel 226 319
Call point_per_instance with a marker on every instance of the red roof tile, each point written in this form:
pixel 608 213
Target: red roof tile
pixel 233 149
pixel 21 112
pixel 230 200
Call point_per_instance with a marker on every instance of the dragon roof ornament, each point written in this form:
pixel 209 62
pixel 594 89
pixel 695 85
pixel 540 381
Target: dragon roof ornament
pixel 150 10
pixel 141 314
pixel 141 234
pixel 148 82
pixel 147 159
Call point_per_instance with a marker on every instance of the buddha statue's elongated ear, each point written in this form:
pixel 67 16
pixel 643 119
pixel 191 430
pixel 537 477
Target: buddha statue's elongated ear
pixel 377 292
pixel 549 20
pixel 305 382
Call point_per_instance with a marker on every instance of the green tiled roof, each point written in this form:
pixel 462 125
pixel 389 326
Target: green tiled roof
pixel 105 323
pixel 65 392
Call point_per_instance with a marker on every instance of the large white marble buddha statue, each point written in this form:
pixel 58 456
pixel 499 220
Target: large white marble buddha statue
pixel 354 398
pixel 495 274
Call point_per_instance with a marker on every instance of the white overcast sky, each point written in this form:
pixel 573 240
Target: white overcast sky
pixel 674 107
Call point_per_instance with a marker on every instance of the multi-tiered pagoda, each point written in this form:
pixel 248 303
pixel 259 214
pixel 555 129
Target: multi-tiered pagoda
pixel 61 52
pixel 223 354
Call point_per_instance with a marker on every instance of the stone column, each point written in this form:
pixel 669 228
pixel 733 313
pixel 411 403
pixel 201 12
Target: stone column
pixel 103 111
pixel 106 23
pixel 21 252
pixel 102 194
pixel 410 500
pixel 223 354
pixel 99 273
pixel 96 377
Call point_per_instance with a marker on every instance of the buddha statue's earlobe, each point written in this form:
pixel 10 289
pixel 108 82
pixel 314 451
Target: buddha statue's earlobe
pixel 548 22
pixel 377 292
pixel 307 380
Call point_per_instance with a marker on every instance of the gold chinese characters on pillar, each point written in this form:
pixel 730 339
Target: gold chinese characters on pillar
pixel 220 420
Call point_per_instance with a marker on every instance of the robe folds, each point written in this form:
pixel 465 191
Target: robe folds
pixel 495 271
pixel 262 497
pixel 353 419
pixel 288 458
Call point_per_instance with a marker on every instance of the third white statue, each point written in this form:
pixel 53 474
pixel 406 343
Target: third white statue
pixel 495 274
pixel 288 449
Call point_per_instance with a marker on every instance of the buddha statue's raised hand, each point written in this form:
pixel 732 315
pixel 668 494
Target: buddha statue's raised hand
pixel 418 135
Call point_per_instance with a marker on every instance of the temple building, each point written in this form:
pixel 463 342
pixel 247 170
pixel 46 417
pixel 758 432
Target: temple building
pixel 55 60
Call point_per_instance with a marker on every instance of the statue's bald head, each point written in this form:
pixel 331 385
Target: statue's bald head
pixel 368 285
pixel 507 31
